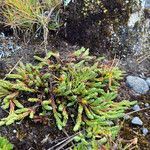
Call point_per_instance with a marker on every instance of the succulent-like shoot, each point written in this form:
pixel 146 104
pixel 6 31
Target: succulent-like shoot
pixel 5 144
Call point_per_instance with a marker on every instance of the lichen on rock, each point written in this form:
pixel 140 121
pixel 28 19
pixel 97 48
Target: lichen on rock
pixel 91 23
pixel 93 6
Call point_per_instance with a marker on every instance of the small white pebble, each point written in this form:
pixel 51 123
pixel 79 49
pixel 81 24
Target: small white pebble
pixel 14 131
pixel 146 104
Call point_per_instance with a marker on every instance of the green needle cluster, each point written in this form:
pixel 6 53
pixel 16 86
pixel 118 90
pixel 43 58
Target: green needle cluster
pixel 5 144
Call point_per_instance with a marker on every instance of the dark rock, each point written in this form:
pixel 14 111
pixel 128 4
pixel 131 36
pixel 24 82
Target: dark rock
pixel 137 121
pixel 2 69
pixel 93 23
pixel 138 84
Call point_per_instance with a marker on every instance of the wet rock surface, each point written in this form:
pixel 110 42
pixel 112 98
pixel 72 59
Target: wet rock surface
pixel 94 23
pixel 138 84
pixel 119 26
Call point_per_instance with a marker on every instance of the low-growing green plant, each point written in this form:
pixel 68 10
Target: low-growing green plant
pixel 5 144
pixel 80 87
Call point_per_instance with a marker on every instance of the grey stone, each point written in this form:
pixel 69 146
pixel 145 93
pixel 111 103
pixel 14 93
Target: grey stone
pixel 2 35
pixel 148 81
pixel 2 54
pixel 146 104
pixel 138 84
pixel 145 131
pixel 1 46
pixel 10 47
pixel 111 123
pixel 7 46
pixel 147 4
pixel 126 117
pixel 136 107
pixel 137 121
pixel 17 47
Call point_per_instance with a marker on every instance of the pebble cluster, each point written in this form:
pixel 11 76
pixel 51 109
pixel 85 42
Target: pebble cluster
pixel 137 121
pixel 140 86
pixel 7 46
